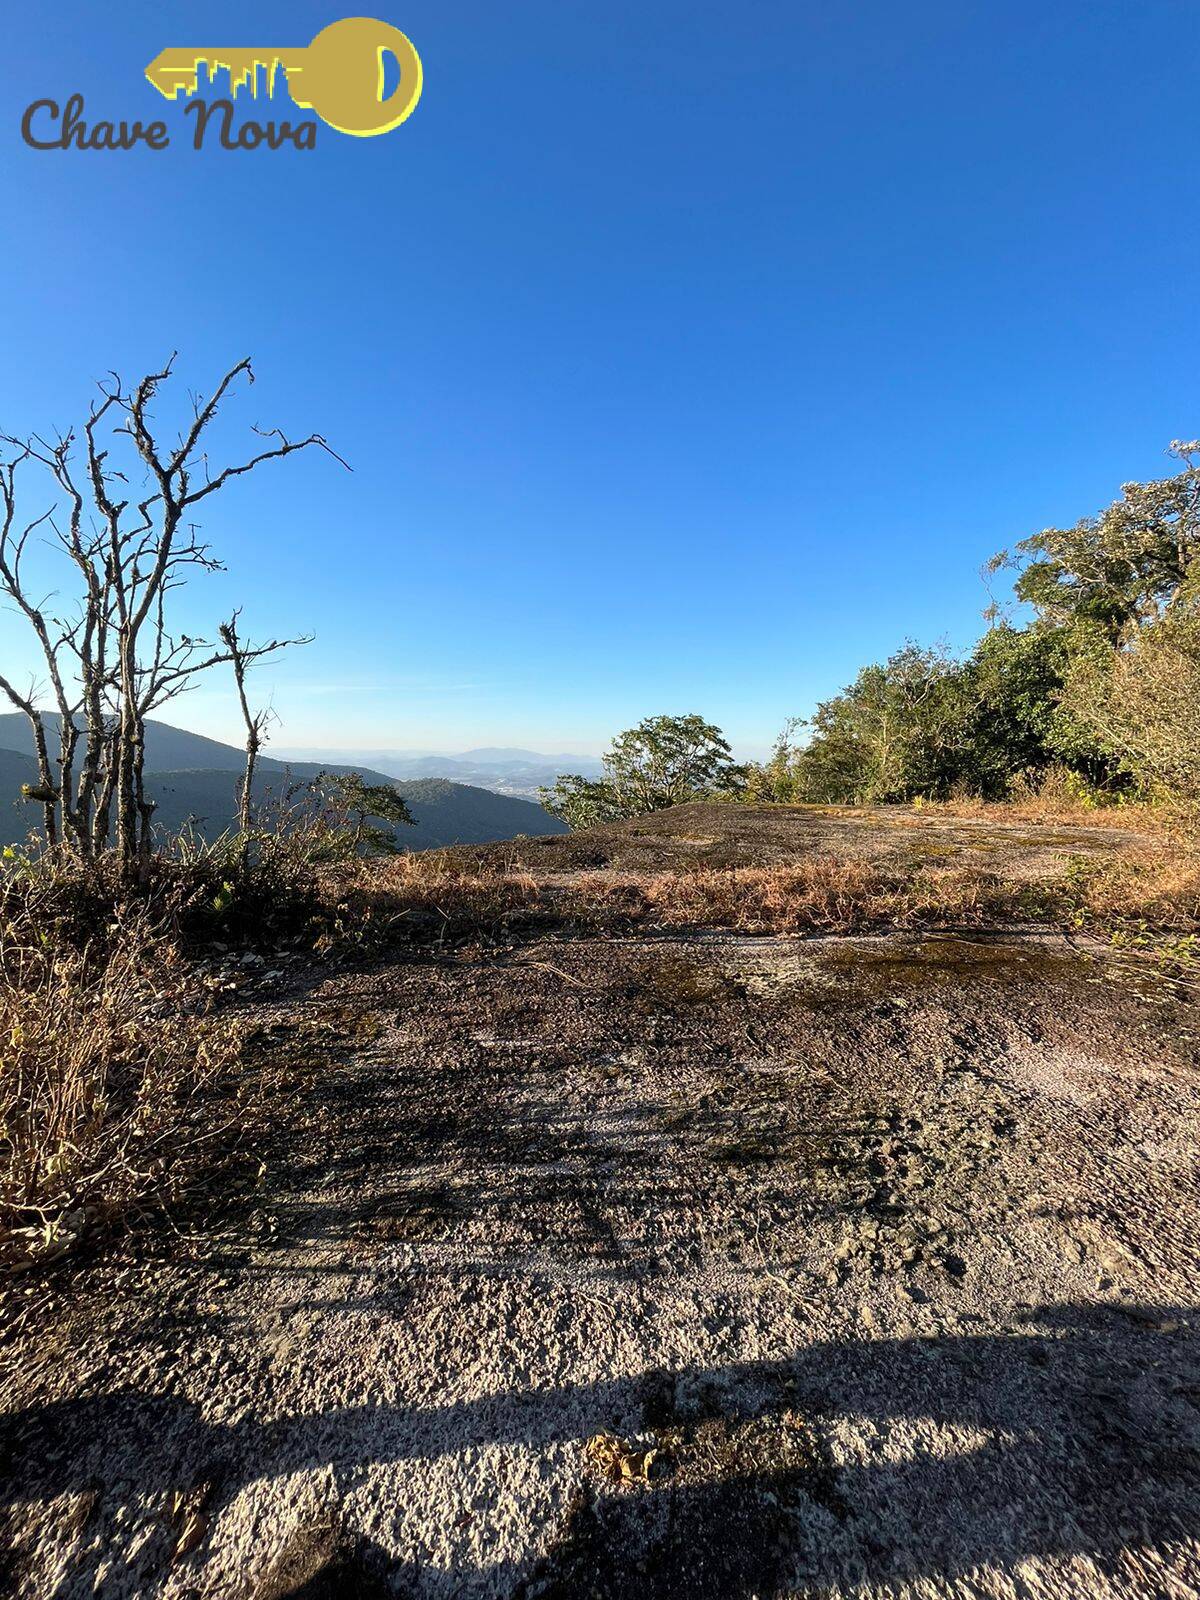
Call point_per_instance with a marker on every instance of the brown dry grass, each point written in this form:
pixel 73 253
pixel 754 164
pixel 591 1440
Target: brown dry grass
pixel 105 1059
pixel 1059 796
pixel 1160 887
pixel 1053 810
pixel 818 895
pixel 423 897
pixel 431 896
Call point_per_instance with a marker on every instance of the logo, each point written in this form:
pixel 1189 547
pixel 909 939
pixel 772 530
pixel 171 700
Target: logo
pixel 341 76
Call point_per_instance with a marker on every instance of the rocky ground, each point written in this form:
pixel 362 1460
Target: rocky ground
pixel 706 835
pixel 705 1266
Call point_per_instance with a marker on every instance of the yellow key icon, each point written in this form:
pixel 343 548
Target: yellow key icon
pixel 340 75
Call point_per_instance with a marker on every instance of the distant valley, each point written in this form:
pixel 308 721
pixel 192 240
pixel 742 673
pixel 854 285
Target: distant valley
pixel 504 771
pixel 194 779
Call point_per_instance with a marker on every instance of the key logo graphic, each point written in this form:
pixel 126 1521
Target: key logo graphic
pixel 341 75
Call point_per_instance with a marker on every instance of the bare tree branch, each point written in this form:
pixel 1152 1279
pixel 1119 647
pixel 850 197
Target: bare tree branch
pixel 112 658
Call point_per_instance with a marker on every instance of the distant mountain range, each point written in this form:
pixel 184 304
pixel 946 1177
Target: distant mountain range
pixel 506 771
pixel 194 779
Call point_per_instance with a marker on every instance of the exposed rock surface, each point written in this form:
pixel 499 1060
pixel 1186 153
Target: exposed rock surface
pixel 707 1267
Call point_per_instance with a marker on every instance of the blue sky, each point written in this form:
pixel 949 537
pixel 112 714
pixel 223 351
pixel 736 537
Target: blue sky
pixel 687 357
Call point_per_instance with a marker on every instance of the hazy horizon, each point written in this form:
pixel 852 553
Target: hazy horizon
pixel 285 749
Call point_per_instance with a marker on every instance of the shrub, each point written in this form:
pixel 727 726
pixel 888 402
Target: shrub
pixel 105 1051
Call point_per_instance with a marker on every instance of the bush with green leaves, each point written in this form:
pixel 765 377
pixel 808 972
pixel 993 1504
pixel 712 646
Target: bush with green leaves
pixel 1103 682
pixel 664 761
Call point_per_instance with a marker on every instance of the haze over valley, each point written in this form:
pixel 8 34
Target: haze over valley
pixel 502 769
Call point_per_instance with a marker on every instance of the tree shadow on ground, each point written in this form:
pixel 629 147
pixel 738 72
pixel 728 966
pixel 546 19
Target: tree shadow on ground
pixel 1078 1435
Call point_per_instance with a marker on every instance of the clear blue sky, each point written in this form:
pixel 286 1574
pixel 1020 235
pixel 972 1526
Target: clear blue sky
pixel 687 356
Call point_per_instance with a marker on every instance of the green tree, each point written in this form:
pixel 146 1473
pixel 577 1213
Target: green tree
pixel 1014 681
pixel 1116 597
pixel 774 781
pixel 1139 703
pixel 664 761
pixel 899 730
pixel 1123 568
pixel 1104 680
pixel 354 810
pixel 582 802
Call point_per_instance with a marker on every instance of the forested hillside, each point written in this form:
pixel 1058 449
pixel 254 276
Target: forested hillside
pixel 201 792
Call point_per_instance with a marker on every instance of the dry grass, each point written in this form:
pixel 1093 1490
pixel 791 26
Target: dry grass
pixel 1055 810
pixel 432 896
pixel 1159 891
pixel 1147 903
pixel 1060 797
pixel 1159 887
pixel 821 894
pixel 105 1058
pixel 427 897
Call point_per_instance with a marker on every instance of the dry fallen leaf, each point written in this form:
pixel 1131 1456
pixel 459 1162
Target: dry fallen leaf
pixel 195 1526
pixel 188 1511
pixel 618 1461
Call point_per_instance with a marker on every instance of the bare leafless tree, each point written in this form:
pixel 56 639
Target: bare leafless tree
pixel 243 655
pixel 113 659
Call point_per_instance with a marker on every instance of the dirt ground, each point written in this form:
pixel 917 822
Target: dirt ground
pixel 693 1266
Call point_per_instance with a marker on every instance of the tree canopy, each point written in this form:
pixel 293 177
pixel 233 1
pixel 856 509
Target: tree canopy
pixel 1103 680
pixel 664 761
